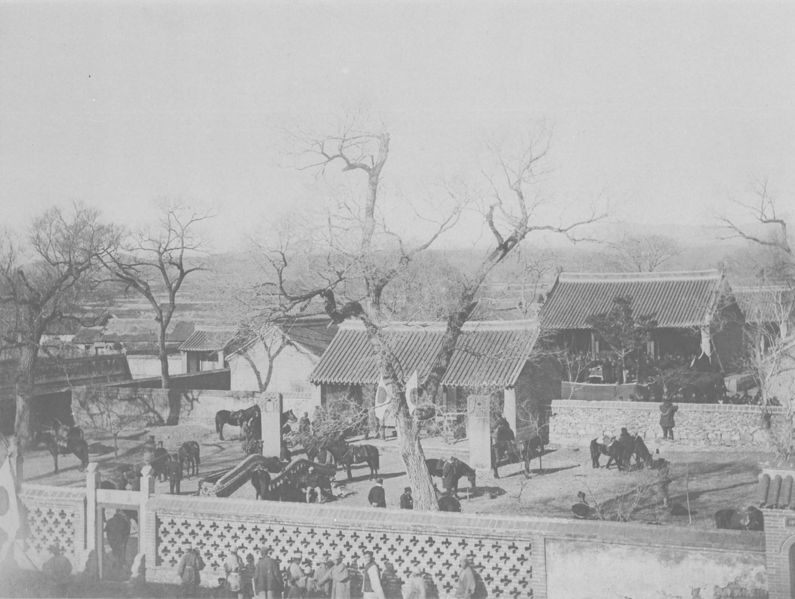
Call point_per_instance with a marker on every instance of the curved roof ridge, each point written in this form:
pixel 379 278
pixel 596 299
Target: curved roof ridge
pixel 640 276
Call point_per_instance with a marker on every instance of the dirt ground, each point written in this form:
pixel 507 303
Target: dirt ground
pixel 702 481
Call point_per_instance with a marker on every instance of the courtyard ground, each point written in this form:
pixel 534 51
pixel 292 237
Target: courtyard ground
pixel 702 481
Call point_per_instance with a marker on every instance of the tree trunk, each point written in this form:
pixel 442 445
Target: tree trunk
pixel 414 460
pixel 174 399
pixel 24 394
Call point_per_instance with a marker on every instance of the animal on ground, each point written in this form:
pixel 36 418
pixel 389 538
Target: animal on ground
pixel 436 467
pixel 358 454
pixel 449 503
pixel 190 458
pixel 72 445
pixel 117 530
pixel 236 418
pixel 261 481
pixel 532 448
pixel 750 519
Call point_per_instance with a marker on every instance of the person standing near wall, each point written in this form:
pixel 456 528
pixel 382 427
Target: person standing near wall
pixel 466 581
pixel 377 495
pixel 233 567
pixel 372 588
pixel 268 583
pixel 416 584
pixel 406 500
pixel 667 411
pixel 188 570
pixel 339 577
pixel 58 571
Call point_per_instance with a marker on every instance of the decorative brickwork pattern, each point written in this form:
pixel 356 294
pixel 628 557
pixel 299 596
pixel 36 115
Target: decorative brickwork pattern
pixel 507 570
pixel 55 515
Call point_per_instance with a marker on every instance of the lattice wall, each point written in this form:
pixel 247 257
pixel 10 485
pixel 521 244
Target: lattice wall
pixel 50 525
pixel 503 564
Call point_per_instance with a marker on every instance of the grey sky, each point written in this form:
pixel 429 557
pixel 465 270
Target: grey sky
pixel 666 106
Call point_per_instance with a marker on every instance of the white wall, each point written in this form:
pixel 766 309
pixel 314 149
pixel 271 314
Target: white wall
pixel 291 370
pixel 142 367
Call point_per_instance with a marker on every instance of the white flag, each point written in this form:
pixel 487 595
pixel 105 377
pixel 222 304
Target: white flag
pixel 381 399
pixel 10 521
pixel 412 392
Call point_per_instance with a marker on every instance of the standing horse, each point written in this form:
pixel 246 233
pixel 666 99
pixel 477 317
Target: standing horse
pixel 77 446
pixel 436 467
pixel 358 454
pixel 236 418
pixel 261 481
pixel 532 448
pixel 189 455
pixel 117 530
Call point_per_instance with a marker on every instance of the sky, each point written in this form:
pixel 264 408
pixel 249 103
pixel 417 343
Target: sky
pixel 666 108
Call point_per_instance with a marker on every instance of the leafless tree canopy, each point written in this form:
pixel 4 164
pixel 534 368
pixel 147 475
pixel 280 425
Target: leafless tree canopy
pixel 641 253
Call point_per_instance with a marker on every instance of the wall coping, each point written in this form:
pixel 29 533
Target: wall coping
pixel 52 494
pixel 405 522
pixel 646 406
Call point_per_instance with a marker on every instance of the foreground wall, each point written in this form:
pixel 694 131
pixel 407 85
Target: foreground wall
pixel 577 422
pixel 516 557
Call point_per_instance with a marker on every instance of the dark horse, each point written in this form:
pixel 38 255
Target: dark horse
pixel 251 415
pixel 236 418
pixel 189 456
pixel 621 453
pixel 532 448
pixel 436 467
pixel 751 519
pixel 65 446
pixel 261 481
pixel 358 454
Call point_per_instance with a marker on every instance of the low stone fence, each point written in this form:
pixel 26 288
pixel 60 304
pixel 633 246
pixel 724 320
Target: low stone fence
pixel 56 515
pixel 707 425
pixel 516 557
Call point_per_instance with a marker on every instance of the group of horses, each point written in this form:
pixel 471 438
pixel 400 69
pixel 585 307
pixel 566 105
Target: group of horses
pixel 621 450
pixel 506 449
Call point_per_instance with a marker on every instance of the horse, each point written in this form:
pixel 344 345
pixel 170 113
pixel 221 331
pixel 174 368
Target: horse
pixel 504 448
pixel 750 519
pixel 449 503
pixel 261 481
pixel 621 453
pixel 117 530
pixel 436 468
pixel 77 446
pixel 532 448
pixel 357 454
pixel 125 474
pixel 158 463
pixel 189 454
pixel 236 418
pixel 287 418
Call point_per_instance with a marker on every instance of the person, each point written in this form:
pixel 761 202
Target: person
pixel 448 475
pixel 416 584
pixel 247 577
pixel 391 582
pixel 304 425
pixel 377 496
pixel 466 580
pixel 323 567
pixel 624 439
pixel 372 588
pixel 406 500
pixel 268 582
pixel 295 579
pixel 58 571
pixel 189 568
pixel 339 576
pixel 667 411
pixel 233 567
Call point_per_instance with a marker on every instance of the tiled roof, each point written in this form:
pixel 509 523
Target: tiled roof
pixel 314 333
pixel 676 299
pixel 775 492
pixel 87 335
pixel 765 304
pixel 144 330
pixel 209 340
pixel 488 354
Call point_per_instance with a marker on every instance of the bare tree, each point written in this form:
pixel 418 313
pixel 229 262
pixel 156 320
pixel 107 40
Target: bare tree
pixel 769 230
pixel 377 256
pixel 45 279
pixel 153 262
pixel 641 253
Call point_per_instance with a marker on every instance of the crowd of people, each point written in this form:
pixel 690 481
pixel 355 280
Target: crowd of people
pixel 324 578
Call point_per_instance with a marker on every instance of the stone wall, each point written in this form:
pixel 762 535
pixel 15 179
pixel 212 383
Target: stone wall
pixel 707 425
